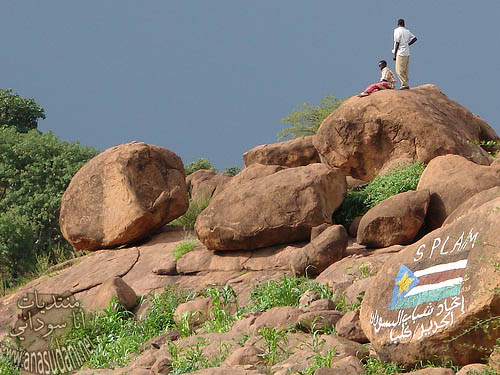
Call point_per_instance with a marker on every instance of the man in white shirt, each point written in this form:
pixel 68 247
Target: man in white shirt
pixel 403 39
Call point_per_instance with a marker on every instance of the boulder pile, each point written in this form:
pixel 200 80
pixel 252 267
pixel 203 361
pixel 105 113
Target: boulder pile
pixel 414 280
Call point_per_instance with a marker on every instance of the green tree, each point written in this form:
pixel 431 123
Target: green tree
pixel 201 163
pixel 35 169
pixel 306 119
pixel 18 112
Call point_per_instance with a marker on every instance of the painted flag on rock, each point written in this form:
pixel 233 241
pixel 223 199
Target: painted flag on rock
pixel 429 284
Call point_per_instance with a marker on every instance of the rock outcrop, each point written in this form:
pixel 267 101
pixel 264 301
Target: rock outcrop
pixel 327 248
pixel 295 153
pixel 203 183
pixel 425 298
pixel 122 195
pixel 364 134
pixel 394 221
pixel 280 208
pixel 451 180
pixel 253 172
pixel 472 203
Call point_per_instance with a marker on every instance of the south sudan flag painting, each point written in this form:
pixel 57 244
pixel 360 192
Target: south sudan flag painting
pixel 433 283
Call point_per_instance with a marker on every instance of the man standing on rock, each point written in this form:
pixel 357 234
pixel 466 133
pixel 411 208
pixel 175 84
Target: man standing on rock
pixel 403 39
pixel 387 80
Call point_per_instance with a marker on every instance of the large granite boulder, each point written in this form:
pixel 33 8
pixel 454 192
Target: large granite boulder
pixel 122 195
pixel 426 299
pixel 364 134
pixel 279 208
pixel 452 179
pixel 295 153
pixel 394 221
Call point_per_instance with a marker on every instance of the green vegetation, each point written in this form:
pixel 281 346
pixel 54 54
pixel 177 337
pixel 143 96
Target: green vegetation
pixel 288 290
pixel 184 247
pixel 196 206
pixel 7 366
pixel 275 344
pixel 116 334
pixel 320 360
pixel 19 113
pixel 232 171
pixel 374 366
pixel 284 292
pixel 224 300
pixel 192 358
pixel 306 119
pixel 35 169
pixel 201 163
pixel 395 181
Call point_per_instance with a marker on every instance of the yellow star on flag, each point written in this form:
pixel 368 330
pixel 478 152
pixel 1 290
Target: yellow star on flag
pixel 404 283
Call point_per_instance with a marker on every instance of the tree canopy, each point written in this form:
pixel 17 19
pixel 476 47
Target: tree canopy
pixel 19 112
pixel 306 119
pixel 35 169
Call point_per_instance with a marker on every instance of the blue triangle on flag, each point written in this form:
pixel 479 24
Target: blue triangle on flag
pixel 405 280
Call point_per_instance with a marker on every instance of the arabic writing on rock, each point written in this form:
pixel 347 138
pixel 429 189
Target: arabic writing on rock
pixel 422 321
pixel 37 315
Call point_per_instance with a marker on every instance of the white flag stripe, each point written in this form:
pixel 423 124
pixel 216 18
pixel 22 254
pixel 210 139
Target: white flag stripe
pixel 442 267
pixel 442 284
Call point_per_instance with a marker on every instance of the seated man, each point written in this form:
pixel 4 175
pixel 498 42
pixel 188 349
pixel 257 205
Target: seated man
pixel 387 80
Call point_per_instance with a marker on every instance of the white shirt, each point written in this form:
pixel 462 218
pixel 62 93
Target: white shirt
pixel 403 37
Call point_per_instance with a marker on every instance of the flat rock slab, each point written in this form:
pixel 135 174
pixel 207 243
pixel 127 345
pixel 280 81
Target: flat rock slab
pixel 434 290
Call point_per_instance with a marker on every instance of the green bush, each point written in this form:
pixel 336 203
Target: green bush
pixel 35 169
pixel 395 181
pixel 196 206
pixel 232 171
pixel 306 119
pixel 201 163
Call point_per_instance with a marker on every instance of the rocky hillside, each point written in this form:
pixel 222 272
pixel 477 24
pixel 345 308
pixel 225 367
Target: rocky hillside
pixel 266 282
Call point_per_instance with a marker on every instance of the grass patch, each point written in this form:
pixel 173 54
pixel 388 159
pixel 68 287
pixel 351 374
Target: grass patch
pixel 196 206
pixel 224 299
pixel 116 334
pixel 374 366
pixel 397 180
pixel 275 344
pixel 184 247
pixel 192 358
pixel 284 292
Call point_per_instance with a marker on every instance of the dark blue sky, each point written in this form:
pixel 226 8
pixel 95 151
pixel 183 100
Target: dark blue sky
pixel 214 78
